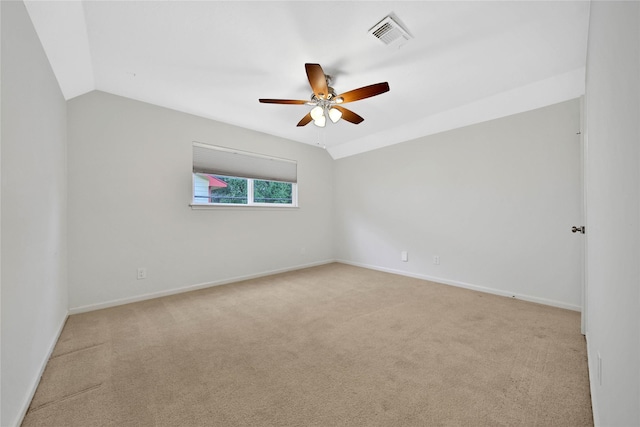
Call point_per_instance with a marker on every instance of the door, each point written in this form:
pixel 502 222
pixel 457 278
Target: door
pixel 582 235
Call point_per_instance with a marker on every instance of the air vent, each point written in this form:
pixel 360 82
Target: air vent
pixel 390 32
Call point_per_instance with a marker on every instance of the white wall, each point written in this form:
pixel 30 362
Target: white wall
pixel 613 211
pixel 495 201
pixel 34 263
pixel 129 193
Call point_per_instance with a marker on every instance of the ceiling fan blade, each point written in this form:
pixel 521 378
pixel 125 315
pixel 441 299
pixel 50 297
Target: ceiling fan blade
pixel 349 115
pixel 364 92
pixel 282 101
pixel 317 80
pixel 305 120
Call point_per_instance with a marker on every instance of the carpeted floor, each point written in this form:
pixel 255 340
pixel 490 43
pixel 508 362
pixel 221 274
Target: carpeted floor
pixel 333 345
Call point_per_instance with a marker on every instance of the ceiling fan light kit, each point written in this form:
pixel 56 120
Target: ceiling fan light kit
pixel 324 100
pixel 317 112
pixel 335 114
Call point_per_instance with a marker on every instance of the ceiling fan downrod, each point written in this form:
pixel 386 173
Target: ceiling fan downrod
pixel 324 107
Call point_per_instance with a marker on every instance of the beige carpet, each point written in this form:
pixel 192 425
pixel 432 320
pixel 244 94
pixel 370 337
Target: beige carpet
pixel 333 345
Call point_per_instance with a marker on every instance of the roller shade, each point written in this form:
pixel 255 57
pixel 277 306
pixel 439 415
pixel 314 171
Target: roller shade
pixel 216 160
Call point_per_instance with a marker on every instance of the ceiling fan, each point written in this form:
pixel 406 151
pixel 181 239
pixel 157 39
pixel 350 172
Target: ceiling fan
pixel 324 100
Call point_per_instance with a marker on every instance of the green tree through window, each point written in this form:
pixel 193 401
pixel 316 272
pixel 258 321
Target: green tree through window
pixel 235 192
pixel 271 192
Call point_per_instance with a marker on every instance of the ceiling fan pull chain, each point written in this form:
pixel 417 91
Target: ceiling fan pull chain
pixel 321 138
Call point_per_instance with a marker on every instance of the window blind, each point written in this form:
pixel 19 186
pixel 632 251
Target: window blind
pixel 217 160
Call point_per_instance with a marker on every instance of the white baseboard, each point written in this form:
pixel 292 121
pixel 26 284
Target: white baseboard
pixel 122 301
pixel 470 286
pixel 143 297
pixel 43 365
pixel 593 381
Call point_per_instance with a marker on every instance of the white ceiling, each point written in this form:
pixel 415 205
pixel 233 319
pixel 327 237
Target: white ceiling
pixel 468 61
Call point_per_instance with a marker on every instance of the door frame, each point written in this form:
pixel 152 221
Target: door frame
pixel 583 166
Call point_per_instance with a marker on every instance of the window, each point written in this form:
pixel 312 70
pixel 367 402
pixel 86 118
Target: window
pixel 233 190
pixel 222 176
pixel 272 192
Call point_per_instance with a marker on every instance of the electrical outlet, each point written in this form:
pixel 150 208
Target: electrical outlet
pixel 436 259
pixel 142 273
pixel 404 256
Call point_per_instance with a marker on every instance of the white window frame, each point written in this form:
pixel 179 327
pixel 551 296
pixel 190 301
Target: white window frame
pixel 250 196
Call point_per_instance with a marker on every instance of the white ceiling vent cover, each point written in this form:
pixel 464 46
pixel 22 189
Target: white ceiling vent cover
pixel 390 32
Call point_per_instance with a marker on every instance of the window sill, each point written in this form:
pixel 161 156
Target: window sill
pixel 203 206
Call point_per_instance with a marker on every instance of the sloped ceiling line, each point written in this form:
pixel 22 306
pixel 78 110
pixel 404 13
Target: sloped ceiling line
pixel 467 62
pixel 62 29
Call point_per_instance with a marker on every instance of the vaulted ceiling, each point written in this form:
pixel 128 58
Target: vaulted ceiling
pixel 467 62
